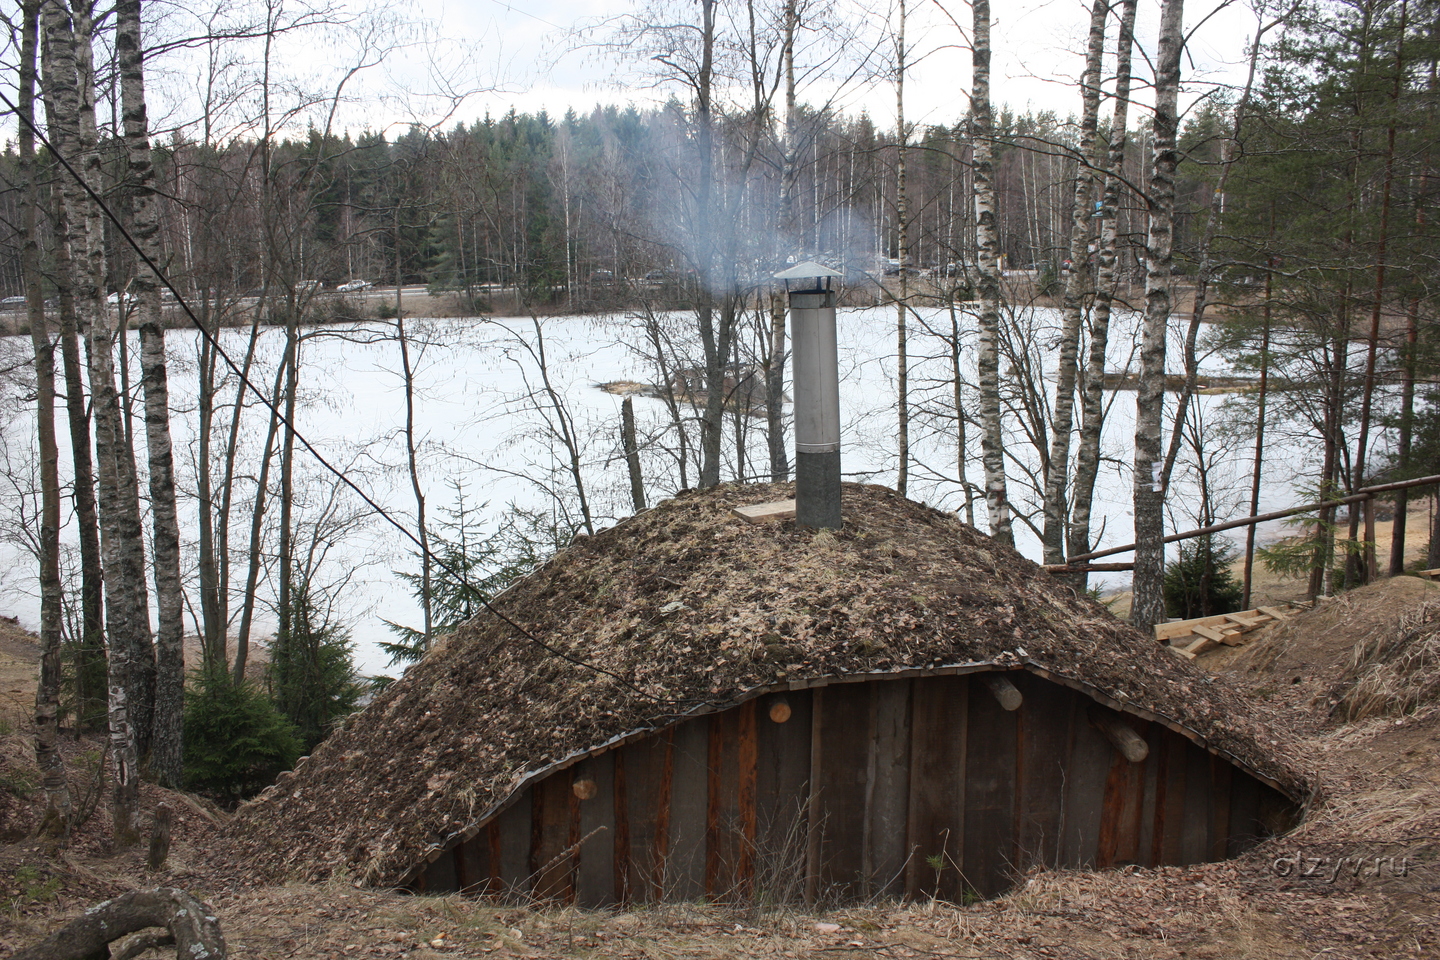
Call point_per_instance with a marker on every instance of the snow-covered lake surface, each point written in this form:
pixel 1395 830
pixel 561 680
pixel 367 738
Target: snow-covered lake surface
pixel 485 427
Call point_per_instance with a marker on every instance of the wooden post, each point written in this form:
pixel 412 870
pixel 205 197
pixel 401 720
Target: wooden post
pixel 160 836
pixel 1370 540
pixel 1004 691
pixel 1120 734
pixel 632 453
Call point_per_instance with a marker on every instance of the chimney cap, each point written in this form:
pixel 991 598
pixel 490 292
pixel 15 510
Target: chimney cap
pixel 809 270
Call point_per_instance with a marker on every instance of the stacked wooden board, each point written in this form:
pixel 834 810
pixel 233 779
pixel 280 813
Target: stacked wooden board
pixel 1190 638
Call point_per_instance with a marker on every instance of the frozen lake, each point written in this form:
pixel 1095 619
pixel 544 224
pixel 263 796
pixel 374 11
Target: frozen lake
pixel 485 426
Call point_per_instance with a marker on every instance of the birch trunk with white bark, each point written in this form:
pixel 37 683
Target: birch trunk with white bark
pixel 992 440
pixel 1148 605
pixel 47 692
pixel 902 245
pixel 1092 408
pixel 1081 220
pixel 67 80
pixel 167 754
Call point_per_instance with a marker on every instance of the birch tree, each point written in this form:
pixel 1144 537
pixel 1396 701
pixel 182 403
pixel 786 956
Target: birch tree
pixel 167 754
pixel 1148 606
pixel 1081 219
pixel 47 691
pixel 987 287
pixel 902 226
pixel 67 76
pixel 1087 460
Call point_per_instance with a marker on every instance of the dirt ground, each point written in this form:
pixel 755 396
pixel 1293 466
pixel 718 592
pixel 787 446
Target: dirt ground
pixel 1379 798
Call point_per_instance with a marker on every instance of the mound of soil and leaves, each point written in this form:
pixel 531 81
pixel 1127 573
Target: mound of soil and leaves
pixel 1359 877
pixel 686 608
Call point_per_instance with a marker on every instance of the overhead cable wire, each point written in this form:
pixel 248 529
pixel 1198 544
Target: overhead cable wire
pixel 380 511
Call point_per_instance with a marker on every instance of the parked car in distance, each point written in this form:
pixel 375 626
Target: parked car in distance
pixel 12 303
pixel 353 286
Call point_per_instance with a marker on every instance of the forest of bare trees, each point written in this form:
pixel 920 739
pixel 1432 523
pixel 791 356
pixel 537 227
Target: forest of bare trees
pixel 1282 225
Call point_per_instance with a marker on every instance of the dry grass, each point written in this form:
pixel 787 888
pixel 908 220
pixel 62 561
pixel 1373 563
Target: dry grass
pixel 1393 671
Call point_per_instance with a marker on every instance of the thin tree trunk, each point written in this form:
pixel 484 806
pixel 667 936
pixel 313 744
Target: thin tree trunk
pixel 1206 268
pixel 413 462
pixel 212 623
pixel 167 754
pixel 1407 408
pixel 775 370
pixel 47 692
pixel 1357 569
pixel 1080 232
pixel 961 441
pixel 902 244
pixel 1092 409
pixel 1261 400
pixel 257 521
pixel 90 661
pixel 287 478
pixel 1148 606
pixel 66 43
pixel 992 440
pixel 715 342
pixel 227 497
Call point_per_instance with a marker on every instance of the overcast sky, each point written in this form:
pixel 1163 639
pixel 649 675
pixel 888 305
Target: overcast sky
pixel 527 54
pixel 1036 54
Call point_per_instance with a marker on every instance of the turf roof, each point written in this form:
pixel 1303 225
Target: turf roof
pixel 690 610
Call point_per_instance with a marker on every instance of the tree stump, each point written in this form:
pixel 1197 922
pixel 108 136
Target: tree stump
pixel 160 836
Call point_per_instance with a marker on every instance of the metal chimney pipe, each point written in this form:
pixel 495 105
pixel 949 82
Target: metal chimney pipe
pixel 817 394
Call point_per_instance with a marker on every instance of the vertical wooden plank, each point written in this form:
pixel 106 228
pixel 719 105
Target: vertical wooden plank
pixel 1195 838
pixel 664 796
pixel 1220 779
pixel 689 789
pixel 1119 839
pixel 493 841
pixel 748 833
pixel 595 877
pixel 841 780
pixel 814 827
pixel 514 825
pixel 457 855
pixel 782 795
pixel 1170 816
pixel 620 804
pixel 647 805
pixel 721 804
pixel 1042 748
pixel 1245 828
pixel 888 801
pixel 989 796
pixel 936 829
pixel 1160 756
pixel 1154 737
pixel 552 859
pixel 1087 770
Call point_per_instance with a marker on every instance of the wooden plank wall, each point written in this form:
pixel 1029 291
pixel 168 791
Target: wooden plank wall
pixel 900 788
